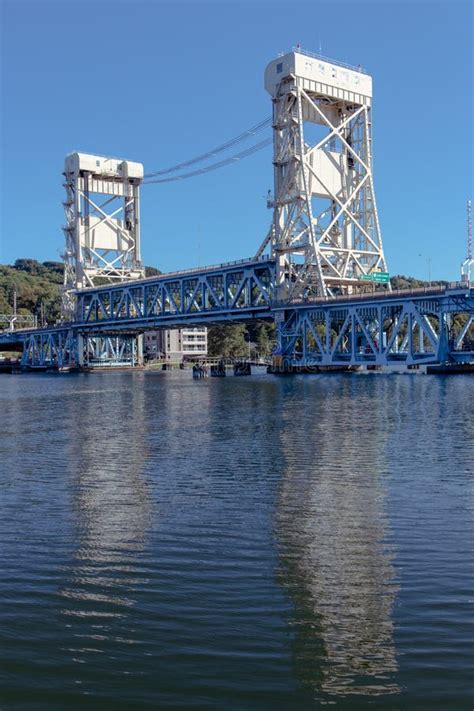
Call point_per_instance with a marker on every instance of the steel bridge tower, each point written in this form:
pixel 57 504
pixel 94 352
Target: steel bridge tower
pixel 325 234
pixel 102 229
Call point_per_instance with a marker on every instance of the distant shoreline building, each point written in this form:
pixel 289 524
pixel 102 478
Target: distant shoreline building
pixel 176 344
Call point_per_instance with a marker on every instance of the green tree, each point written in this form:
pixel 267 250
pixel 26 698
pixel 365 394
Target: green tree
pixel 265 339
pixel 37 287
pixel 28 265
pixel 227 341
pixel 403 282
pixel 152 271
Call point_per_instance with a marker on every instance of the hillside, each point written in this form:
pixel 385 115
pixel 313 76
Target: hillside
pixel 38 288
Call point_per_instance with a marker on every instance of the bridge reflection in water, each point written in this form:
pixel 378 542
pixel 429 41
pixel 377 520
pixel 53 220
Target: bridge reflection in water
pixel 336 561
pixel 113 513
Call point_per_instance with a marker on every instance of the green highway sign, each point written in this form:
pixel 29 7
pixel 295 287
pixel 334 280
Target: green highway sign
pixel 381 277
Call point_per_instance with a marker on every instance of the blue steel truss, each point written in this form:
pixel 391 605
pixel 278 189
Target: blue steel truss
pixel 54 348
pixel 426 326
pixel 233 291
pixel 67 348
pixel 431 325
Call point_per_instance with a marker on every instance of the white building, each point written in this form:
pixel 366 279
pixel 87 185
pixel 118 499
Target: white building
pixel 176 344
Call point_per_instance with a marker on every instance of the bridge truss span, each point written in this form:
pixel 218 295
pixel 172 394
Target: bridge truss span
pixel 50 348
pixel 243 288
pixel 408 329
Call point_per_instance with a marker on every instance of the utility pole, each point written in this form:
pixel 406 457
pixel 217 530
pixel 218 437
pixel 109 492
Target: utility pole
pixel 468 263
pixel 428 262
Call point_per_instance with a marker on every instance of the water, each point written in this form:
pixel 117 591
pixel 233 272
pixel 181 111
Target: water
pixel 239 543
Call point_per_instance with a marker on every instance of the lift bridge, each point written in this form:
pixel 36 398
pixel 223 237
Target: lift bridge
pixel 320 273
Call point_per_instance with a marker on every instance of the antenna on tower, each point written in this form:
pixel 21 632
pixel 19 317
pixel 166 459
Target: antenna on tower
pixel 469 229
pixel 467 265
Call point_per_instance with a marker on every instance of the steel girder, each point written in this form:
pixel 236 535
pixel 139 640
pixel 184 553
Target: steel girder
pixel 15 321
pixel 379 329
pixel 181 298
pixel 109 351
pixel 405 330
pixel 56 348
pixel 69 348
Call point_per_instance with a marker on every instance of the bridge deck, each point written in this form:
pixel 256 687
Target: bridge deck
pixel 140 321
pixel 376 327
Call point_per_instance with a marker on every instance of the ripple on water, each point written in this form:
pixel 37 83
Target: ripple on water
pixel 238 543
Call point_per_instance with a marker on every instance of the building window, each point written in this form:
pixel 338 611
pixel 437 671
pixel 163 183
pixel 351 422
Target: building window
pixel 279 67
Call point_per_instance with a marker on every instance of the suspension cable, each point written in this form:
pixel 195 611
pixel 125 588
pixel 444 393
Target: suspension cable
pixel 214 166
pixel 219 149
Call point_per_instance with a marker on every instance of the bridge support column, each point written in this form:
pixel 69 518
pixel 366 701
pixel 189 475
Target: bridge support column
pixel 80 350
pixel 140 339
pixel 443 341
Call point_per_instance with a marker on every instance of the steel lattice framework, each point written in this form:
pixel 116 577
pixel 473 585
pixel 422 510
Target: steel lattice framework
pixel 69 348
pixel 424 326
pixel 324 243
pixel 51 347
pixel 239 287
pixel 467 267
pixel 102 235
pixel 325 234
pixel 416 328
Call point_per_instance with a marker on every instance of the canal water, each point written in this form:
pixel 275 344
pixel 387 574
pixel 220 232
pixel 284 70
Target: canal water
pixel 240 543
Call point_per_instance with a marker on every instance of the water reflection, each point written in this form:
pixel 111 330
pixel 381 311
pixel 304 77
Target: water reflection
pixel 333 532
pixel 111 501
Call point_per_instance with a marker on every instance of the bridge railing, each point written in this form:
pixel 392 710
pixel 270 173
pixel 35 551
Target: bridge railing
pixel 368 296
pixel 359 68
pixel 184 272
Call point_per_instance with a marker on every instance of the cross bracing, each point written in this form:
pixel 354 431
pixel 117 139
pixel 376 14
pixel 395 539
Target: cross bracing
pixel 325 235
pixel 432 325
pixel 102 231
pixel 412 329
pixel 243 287
pixel 51 347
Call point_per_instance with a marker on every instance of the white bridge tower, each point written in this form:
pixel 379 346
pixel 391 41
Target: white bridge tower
pixel 325 234
pixel 102 229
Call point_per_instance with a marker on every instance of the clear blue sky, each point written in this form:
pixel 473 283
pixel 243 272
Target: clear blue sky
pixel 159 82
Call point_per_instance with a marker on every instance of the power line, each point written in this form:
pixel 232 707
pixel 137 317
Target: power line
pixel 219 149
pixel 214 166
